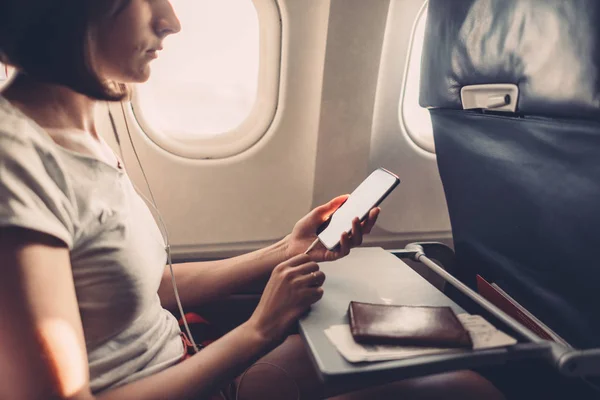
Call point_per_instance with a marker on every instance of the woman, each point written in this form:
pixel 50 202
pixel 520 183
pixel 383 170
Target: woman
pixel 82 271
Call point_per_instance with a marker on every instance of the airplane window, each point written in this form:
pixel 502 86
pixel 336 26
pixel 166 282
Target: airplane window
pixel 205 84
pixel 415 118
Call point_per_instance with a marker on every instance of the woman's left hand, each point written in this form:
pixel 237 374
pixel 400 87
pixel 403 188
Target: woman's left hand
pixel 305 232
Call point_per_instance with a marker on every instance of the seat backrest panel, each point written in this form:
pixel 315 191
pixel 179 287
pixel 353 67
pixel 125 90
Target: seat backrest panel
pixel 523 190
pixel 526 214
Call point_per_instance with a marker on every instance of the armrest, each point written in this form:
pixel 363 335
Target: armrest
pixel 433 250
pixel 569 362
pixel 444 258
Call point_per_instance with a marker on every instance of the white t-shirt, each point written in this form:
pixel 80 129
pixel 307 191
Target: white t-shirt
pixel 116 249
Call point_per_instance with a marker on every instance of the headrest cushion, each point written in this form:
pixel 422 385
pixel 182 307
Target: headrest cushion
pixel 550 49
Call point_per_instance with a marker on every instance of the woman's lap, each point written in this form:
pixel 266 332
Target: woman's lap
pixel 287 373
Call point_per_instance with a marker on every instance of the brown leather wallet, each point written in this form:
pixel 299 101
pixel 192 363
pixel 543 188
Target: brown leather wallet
pixel 407 326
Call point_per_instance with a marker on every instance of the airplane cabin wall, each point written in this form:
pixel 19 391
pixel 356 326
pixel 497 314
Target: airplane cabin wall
pixel 419 205
pixel 336 121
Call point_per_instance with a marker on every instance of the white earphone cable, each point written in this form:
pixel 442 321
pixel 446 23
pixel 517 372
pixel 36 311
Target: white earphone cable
pixel 164 231
pixel 162 224
pixel 312 246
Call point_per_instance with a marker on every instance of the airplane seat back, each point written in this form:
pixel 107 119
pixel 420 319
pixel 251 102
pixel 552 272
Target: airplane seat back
pixel 523 186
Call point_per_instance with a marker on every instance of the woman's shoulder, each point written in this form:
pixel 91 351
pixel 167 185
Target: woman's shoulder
pixel 17 128
pixel 34 193
pixel 26 151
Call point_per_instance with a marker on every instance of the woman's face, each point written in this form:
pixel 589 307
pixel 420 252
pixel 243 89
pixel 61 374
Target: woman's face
pixel 124 45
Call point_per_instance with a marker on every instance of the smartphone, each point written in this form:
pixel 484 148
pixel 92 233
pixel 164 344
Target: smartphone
pixel 370 193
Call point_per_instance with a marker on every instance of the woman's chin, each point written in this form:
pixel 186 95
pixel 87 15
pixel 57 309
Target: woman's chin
pixel 142 75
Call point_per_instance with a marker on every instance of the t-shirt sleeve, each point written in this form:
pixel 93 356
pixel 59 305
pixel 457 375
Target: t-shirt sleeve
pixel 34 193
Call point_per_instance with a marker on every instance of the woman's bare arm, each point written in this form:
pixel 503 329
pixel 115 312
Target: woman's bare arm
pixel 203 282
pixel 203 374
pixel 43 349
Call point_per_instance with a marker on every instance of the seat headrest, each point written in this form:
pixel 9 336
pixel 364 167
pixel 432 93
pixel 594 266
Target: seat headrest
pixel 550 49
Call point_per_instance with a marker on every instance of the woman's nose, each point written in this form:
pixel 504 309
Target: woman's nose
pixel 167 22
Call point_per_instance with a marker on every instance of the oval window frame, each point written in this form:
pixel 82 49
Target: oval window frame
pixel 423 140
pixel 256 124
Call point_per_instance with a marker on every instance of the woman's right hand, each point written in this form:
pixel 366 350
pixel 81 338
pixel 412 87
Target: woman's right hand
pixel 294 285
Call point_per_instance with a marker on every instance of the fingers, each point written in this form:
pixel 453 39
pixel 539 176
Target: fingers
pixel 305 275
pixel 359 229
pixel 311 295
pixel 296 267
pixel 348 241
pixel 312 279
pixel 308 274
pixel 305 268
pixel 302 271
pixel 315 295
pixel 344 249
pixel 357 233
pixel 369 223
pixel 336 202
pixel 325 210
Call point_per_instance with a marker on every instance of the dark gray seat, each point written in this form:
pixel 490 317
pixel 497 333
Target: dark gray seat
pixel 523 187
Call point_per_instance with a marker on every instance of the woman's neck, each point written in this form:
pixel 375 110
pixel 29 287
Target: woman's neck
pixel 52 106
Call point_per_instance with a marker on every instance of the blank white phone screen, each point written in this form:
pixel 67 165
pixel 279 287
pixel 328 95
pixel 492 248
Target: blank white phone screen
pixel 366 196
